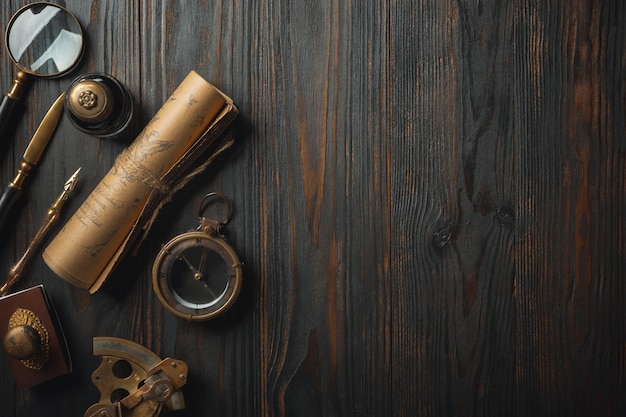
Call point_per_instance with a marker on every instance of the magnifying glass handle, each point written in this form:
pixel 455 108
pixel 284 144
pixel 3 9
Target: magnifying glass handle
pixel 11 102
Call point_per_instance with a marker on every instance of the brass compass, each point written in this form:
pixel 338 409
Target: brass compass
pixel 197 275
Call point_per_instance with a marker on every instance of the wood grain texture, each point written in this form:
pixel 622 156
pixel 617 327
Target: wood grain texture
pixel 428 196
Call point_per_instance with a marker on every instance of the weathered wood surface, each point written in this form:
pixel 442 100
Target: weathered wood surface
pixel 429 198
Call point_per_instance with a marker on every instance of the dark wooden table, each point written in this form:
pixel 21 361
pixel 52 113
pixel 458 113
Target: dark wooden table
pixel 429 198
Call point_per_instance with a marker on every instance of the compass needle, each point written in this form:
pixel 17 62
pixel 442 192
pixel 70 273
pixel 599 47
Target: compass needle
pixel 202 260
pixel 209 290
pixel 189 265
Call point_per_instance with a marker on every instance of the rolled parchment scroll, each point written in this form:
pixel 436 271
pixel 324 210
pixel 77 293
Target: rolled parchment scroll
pixel 96 237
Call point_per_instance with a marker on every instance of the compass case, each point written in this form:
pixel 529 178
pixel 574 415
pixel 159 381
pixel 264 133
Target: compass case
pixel 124 204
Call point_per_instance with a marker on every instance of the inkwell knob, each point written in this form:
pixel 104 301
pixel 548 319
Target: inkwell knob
pixel 90 101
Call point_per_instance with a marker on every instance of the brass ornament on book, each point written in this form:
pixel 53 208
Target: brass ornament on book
pixel 27 339
pixel 33 340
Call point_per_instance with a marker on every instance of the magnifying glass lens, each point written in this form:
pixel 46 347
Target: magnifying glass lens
pixel 44 40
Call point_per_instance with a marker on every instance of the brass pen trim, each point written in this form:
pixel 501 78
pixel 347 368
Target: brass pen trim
pixel 22 173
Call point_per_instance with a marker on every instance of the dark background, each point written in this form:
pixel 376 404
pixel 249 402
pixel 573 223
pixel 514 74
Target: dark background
pixel 429 198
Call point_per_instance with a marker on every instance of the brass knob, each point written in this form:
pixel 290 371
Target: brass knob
pixel 27 339
pixel 90 101
pixel 22 342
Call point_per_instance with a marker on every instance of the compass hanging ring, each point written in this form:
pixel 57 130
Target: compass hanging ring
pixel 198 275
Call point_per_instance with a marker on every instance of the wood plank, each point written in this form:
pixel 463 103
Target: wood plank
pixel 570 325
pixel 453 214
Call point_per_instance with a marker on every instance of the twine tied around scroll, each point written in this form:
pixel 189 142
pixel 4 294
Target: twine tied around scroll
pixel 163 190
pixel 139 172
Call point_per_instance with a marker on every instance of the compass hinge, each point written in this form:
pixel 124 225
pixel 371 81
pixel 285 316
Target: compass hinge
pixel 211 226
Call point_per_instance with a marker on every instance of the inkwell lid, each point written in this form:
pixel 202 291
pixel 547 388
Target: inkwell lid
pixel 91 102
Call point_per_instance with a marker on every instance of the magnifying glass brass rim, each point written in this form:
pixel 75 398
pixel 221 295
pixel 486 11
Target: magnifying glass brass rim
pixel 163 275
pixel 79 32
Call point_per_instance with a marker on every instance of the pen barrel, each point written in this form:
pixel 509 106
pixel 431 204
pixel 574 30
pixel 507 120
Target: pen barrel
pixel 7 201
pixel 17 270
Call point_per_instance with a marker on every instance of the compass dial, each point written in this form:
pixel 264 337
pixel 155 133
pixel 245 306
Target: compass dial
pixel 197 276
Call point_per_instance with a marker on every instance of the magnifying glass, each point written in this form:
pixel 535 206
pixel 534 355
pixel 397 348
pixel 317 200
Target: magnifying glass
pixel 44 40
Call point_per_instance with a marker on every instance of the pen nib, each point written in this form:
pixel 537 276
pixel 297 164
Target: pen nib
pixel 70 184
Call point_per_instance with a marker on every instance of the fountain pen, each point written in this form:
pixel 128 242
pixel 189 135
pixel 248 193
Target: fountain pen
pixel 16 271
pixel 30 159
